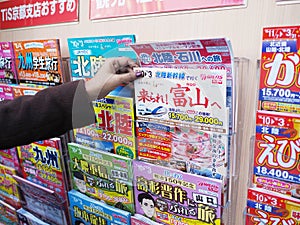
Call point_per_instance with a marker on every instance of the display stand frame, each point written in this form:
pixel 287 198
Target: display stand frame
pixel 241 70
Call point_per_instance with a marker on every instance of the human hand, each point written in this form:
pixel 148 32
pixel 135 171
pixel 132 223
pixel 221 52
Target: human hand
pixel 113 73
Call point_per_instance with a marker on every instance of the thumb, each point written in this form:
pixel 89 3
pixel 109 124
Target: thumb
pixel 126 78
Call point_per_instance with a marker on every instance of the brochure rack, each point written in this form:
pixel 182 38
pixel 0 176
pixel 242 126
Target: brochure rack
pixel 229 205
pixel 42 200
pixel 241 67
pixel 271 205
pixel 251 147
pixel 230 208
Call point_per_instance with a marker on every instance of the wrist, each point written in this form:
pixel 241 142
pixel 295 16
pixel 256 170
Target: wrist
pixel 91 89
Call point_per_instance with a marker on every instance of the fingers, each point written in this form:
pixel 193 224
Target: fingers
pixel 126 62
pixel 114 72
pixel 123 64
pixel 126 78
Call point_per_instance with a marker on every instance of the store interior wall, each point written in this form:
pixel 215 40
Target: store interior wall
pixel 242 25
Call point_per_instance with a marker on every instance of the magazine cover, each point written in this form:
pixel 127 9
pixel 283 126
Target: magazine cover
pixel 42 163
pixel 276 153
pixel 26 217
pixel 89 211
pixel 10 158
pixel 39 62
pixel 8 215
pixel 6 92
pixel 170 196
pixel 280 58
pixel 43 202
pixel 8 73
pixel 87 54
pixel 101 175
pixel 114 130
pixel 9 190
pixel 207 54
pixel 267 207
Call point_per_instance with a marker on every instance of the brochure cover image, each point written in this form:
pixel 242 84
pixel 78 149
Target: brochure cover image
pixel 9 190
pixel 280 59
pixel 42 163
pixel 43 202
pixel 87 54
pixel 101 175
pixel 26 217
pixel 276 153
pixel 170 196
pixel 10 158
pixel 115 124
pixel 88 211
pixel 8 73
pixel 193 97
pixel 269 207
pixel 183 148
pixel 6 92
pixel 207 54
pixel 8 214
pixel 39 62
pixel 138 219
pixel 21 90
pixel 199 53
pixel 114 128
pixel 154 142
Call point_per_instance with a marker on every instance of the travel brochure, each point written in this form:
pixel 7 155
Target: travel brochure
pixel 8 214
pixel 42 163
pixel 169 196
pixel 276 157
pixel 101 175
pixel 114 128
pixel 182 118
pixel 43 202
pixel 207 54
pixel 268 207
pixel 185 105
pixel 8 73
pixel 278 87
pixel 86 210
pixel 176 123
pixel 26 217
pixel 87 54
pixel 6 92
pixel 9 157
pixel 193 97
pixel 39 62
pixel 275 191
pixel 9 190
pixel 44 174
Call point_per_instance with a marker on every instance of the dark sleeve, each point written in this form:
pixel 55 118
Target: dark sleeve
pixel 50 113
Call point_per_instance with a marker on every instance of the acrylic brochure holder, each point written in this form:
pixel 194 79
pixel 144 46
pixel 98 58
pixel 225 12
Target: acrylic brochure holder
pixel 270 197
pixel 228 205
pixel 232 210
pixel 42 200
pixel 251 147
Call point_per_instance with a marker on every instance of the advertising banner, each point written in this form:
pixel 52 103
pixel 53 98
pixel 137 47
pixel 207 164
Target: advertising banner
pixel 101 9
pixel 26 13
pixel 282 2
